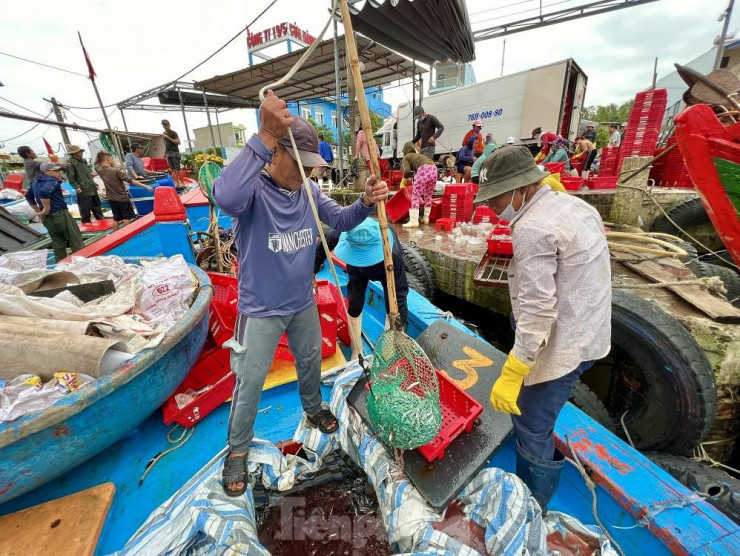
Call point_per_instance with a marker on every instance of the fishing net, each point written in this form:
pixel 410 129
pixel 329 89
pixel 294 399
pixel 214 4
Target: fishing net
pixel 206 176
pixel 403 404
pixel 107 143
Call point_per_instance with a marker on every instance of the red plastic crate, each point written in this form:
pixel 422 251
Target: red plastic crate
pixel 458 188
pixel 397 207
pixel 572 184
pixel 500 245
pixel 14 181
pixel 484 214
pixel 327 307
pixel 223 307
pixel 212 379
pixel 459 412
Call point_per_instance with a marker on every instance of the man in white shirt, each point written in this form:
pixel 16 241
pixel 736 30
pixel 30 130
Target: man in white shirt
pixel 615 140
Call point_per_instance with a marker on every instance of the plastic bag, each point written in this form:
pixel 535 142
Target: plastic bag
pixel 26 393
pixel 167 285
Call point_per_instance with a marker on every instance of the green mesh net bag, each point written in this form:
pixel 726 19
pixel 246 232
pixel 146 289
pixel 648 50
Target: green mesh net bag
pixel 403 404
pixel 206 176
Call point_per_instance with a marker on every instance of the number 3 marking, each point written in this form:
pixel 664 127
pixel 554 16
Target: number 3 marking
pixel 468 366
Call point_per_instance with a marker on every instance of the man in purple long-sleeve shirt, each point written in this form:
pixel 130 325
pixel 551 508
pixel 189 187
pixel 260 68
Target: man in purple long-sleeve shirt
pixel 275 234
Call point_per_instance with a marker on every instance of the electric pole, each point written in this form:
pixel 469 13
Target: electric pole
pixel 721 42
pixel 60 119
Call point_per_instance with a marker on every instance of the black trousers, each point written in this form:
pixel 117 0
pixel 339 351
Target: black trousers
pixel 360 276
pixel 87 204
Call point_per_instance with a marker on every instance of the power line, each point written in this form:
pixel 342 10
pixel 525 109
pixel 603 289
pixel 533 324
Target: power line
pixel 500 7
pixel 232 39
pixel 522 12
pixel 86 119
pixel 22 107
pixel 44 65
pixel 27 131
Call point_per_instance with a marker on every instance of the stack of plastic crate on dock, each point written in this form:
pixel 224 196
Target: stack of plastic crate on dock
pixel 643 126
pixel 457 202
pixel 671 171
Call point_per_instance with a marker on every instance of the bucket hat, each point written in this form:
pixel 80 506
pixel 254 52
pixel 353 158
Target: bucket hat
pixel 307 141
pixel 362 246
pixel 72 149
pixel 505 170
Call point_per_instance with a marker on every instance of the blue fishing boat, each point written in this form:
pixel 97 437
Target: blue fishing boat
pixel 644 508
pixel 40 446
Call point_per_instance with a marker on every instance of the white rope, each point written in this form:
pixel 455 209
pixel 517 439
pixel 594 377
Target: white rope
pixel 356 340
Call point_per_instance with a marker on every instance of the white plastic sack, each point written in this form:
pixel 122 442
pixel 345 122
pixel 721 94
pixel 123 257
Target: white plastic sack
pixel 22 211
pixel 26 393
pixel 167 285
pixel 24 260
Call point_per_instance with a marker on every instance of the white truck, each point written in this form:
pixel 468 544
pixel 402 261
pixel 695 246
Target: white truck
pixel 550 97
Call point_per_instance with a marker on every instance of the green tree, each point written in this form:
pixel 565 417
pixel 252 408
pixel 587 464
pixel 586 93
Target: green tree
pixel 604 115
pixel 327 133
pixel 348 135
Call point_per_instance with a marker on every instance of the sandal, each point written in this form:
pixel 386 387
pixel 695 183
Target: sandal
pixel 324 420
pixel 235 471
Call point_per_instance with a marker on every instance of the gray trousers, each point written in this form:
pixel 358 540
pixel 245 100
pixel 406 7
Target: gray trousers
pixel 428 151
pixel 251 357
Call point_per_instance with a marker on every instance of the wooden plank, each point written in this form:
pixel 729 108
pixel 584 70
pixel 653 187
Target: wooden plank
pixel 66 526
pixel 665 270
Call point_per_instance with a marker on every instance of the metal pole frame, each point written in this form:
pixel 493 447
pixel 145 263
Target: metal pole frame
pixel 210 125
pixel 220 140
pixel 184 119
pixel 338 90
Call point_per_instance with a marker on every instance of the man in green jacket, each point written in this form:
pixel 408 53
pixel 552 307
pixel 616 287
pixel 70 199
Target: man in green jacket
pixel 80 177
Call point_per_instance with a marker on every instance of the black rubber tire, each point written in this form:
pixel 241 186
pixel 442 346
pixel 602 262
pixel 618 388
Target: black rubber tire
pixel 584 399
pixel 687 213
pixel 729 277
pixel 722 490
pixel 417 264
pixel 660 376
pixel 414 284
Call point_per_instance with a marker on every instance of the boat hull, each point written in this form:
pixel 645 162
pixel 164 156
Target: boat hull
pixel 44 445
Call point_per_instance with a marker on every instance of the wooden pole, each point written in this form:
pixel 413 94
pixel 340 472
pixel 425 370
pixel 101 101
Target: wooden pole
pixel 354 63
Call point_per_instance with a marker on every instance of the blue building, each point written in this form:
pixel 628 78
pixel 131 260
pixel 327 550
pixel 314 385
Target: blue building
pixel 324 110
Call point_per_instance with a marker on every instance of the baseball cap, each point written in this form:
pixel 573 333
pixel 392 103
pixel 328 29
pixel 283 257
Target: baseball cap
pixel 50 166
pixel 165 122
pixel 135 146
pixel 307 141
pixel 478 122
pixel 418 110
pixel 510 141
pixel 624 124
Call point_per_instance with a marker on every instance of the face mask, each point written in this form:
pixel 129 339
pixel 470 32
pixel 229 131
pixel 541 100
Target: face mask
pixel 510 212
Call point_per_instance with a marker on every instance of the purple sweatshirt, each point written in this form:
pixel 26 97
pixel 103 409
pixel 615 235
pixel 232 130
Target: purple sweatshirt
pixel 275 233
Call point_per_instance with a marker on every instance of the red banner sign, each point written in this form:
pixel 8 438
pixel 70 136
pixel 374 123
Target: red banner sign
pixel 278 33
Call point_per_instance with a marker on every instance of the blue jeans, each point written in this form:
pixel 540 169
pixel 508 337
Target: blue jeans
pixel 540 405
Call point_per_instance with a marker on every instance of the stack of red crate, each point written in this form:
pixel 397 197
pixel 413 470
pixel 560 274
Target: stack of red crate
pixel 643 126
pixel 608 161
pixel 457 202
pixel 671 171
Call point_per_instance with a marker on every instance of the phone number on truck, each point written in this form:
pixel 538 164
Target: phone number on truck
pixel 486 114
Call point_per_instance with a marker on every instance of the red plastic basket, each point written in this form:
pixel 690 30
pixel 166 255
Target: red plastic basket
pixel 212 379
pixel 555 167
pixel 500 245
pixel 223 307
pixel 605 182
pixel 572 184
pixel 459 412
pixel 397 207
pixel 436 211
pixel 484 215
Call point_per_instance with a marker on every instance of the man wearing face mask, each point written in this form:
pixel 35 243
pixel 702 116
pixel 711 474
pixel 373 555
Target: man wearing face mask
pixel 560 289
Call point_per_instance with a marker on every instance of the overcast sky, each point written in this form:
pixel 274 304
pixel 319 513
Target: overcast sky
pixel 136 46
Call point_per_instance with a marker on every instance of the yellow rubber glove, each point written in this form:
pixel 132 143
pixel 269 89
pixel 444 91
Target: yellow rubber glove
pixel 554 183
pixel 402 184
pixel 506 389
